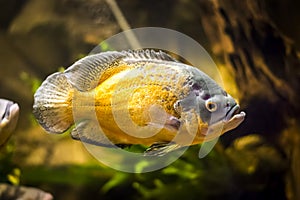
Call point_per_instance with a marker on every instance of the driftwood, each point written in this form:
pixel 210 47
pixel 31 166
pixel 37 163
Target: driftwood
pixel 266 68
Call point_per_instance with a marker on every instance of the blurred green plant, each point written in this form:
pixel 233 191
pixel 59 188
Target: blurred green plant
pixel 223 173
pixel 32 82
pixel 104 46
pixel 14 176
pixel 9 171
pixel 248 165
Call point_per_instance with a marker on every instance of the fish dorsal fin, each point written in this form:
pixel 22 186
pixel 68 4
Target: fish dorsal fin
pixel 88 72
pixel 147 55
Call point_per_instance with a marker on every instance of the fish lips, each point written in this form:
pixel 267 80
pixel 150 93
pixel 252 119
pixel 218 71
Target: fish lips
pixel 233 110
pixel 10 113
pixel 233 119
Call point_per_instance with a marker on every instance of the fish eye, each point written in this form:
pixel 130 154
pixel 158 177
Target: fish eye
pixel 211 106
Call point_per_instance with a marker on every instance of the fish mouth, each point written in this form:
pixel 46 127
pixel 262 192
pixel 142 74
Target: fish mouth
pixel 7 110
pixel 233 111
pixel 11 109
pixel 233 119
pixel 9 113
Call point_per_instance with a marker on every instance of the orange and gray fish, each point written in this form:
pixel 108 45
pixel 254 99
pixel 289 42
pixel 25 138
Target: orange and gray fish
pixel 136 91
pixel 9 113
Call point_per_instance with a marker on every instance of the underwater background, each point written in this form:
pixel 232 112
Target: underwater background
pixel 255 44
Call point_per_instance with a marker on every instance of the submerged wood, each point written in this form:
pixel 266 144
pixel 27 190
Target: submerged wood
pixel 266 68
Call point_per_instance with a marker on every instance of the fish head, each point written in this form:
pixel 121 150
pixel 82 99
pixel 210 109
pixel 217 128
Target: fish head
pixel 214 107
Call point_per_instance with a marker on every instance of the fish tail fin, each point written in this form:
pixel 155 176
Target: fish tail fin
pixel 53 103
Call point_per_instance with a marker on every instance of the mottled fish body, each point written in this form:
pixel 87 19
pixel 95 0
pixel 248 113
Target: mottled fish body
pixel 135 92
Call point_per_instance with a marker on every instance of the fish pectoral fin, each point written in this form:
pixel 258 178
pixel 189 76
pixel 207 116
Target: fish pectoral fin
pixel 88 131
pixel 173 124
pixel 161 119
pixel 161 149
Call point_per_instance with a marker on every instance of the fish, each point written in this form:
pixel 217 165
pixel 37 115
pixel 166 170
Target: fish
pixel 131 95
pixel 9 114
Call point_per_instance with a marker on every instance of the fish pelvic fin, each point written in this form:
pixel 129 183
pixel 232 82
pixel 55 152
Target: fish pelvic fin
pixel 161 149
pixel 52 103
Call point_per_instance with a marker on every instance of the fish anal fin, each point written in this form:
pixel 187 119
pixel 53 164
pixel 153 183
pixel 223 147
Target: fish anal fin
pixel 88 131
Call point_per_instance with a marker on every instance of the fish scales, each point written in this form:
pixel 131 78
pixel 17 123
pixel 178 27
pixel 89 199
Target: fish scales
pixel 142 91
